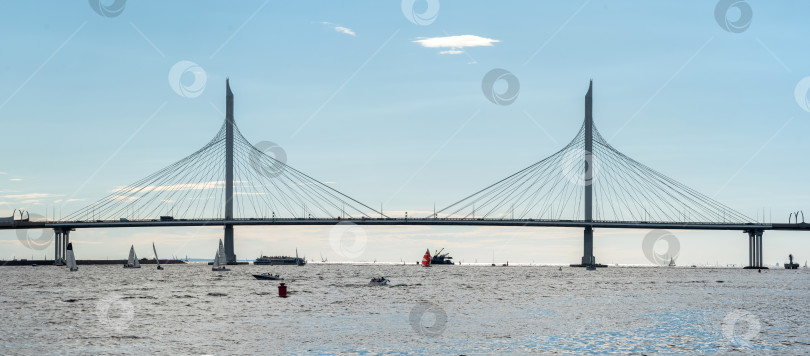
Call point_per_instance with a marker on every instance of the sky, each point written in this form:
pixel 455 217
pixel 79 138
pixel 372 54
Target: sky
pixel 384 100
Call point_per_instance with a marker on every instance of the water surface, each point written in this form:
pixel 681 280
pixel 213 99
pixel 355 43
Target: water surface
pixel 187 309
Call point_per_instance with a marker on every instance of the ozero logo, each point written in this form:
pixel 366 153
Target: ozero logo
pixel 724 10
pixel 740 327
pixel 428 319
pixel 505 97
pixel 35 239
pixel 661 259
pixel 179 77
pixel 801 92
pixel 111 9
pixel 344 231
pixel 579 167
pixel 265 164
pixel 114 312
pixel 424 18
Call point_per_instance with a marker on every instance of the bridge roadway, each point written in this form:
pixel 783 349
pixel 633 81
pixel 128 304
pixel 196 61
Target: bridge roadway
pixel 403 221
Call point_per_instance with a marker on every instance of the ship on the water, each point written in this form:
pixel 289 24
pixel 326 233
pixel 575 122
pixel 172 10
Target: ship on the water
pixel 281 260
pixel 440 258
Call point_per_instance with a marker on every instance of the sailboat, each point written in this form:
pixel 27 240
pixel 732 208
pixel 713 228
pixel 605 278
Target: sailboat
pixel 426 259
pixel 132 262
pixel 71 260
pixel 671 262
pixel 219 260
pixel 299 261
pixel 156 257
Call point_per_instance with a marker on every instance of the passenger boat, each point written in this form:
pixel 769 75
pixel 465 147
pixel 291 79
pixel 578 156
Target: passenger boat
pixel 280 260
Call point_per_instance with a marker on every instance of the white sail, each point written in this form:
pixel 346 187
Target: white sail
pixel 71 260
pixel 221 254
pixel 216 259
pixel 156 256
pixel 137 263
pixel 132 258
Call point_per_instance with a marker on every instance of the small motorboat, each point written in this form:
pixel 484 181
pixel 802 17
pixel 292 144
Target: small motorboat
pixel 268 276
pixel 378 281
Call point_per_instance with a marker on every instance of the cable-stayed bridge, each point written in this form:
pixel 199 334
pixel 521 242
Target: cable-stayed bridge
pixel 587 184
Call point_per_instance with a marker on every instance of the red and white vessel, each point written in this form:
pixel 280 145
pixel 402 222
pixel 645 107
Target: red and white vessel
pixel 426 259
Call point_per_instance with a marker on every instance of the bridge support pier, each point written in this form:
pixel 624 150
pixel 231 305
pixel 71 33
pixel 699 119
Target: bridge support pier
pixel 61 240
pixel 230 256
pixel 587 257
pixel 754 249
pixel 57 251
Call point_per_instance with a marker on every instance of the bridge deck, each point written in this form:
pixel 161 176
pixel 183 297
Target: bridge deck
pixel 399 221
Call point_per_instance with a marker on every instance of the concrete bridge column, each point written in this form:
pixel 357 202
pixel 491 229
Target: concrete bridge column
pixel 754 249
pixel 758 235
pixel 750 249
pixel 587 257
pixel 66 237
pixel 57 237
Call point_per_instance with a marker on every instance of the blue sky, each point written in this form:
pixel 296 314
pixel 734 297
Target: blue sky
pixel 353 98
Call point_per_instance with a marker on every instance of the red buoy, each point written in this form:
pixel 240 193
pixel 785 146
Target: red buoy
pixel 282 290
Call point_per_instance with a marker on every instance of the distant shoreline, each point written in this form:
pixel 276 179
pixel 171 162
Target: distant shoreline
pixel 86 262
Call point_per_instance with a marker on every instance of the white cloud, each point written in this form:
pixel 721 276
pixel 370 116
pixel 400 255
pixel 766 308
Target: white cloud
pixel 174 187
pixel 31 196
pixel 15 179
pixel 456 43
pixel 341 29
pixel 345 30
